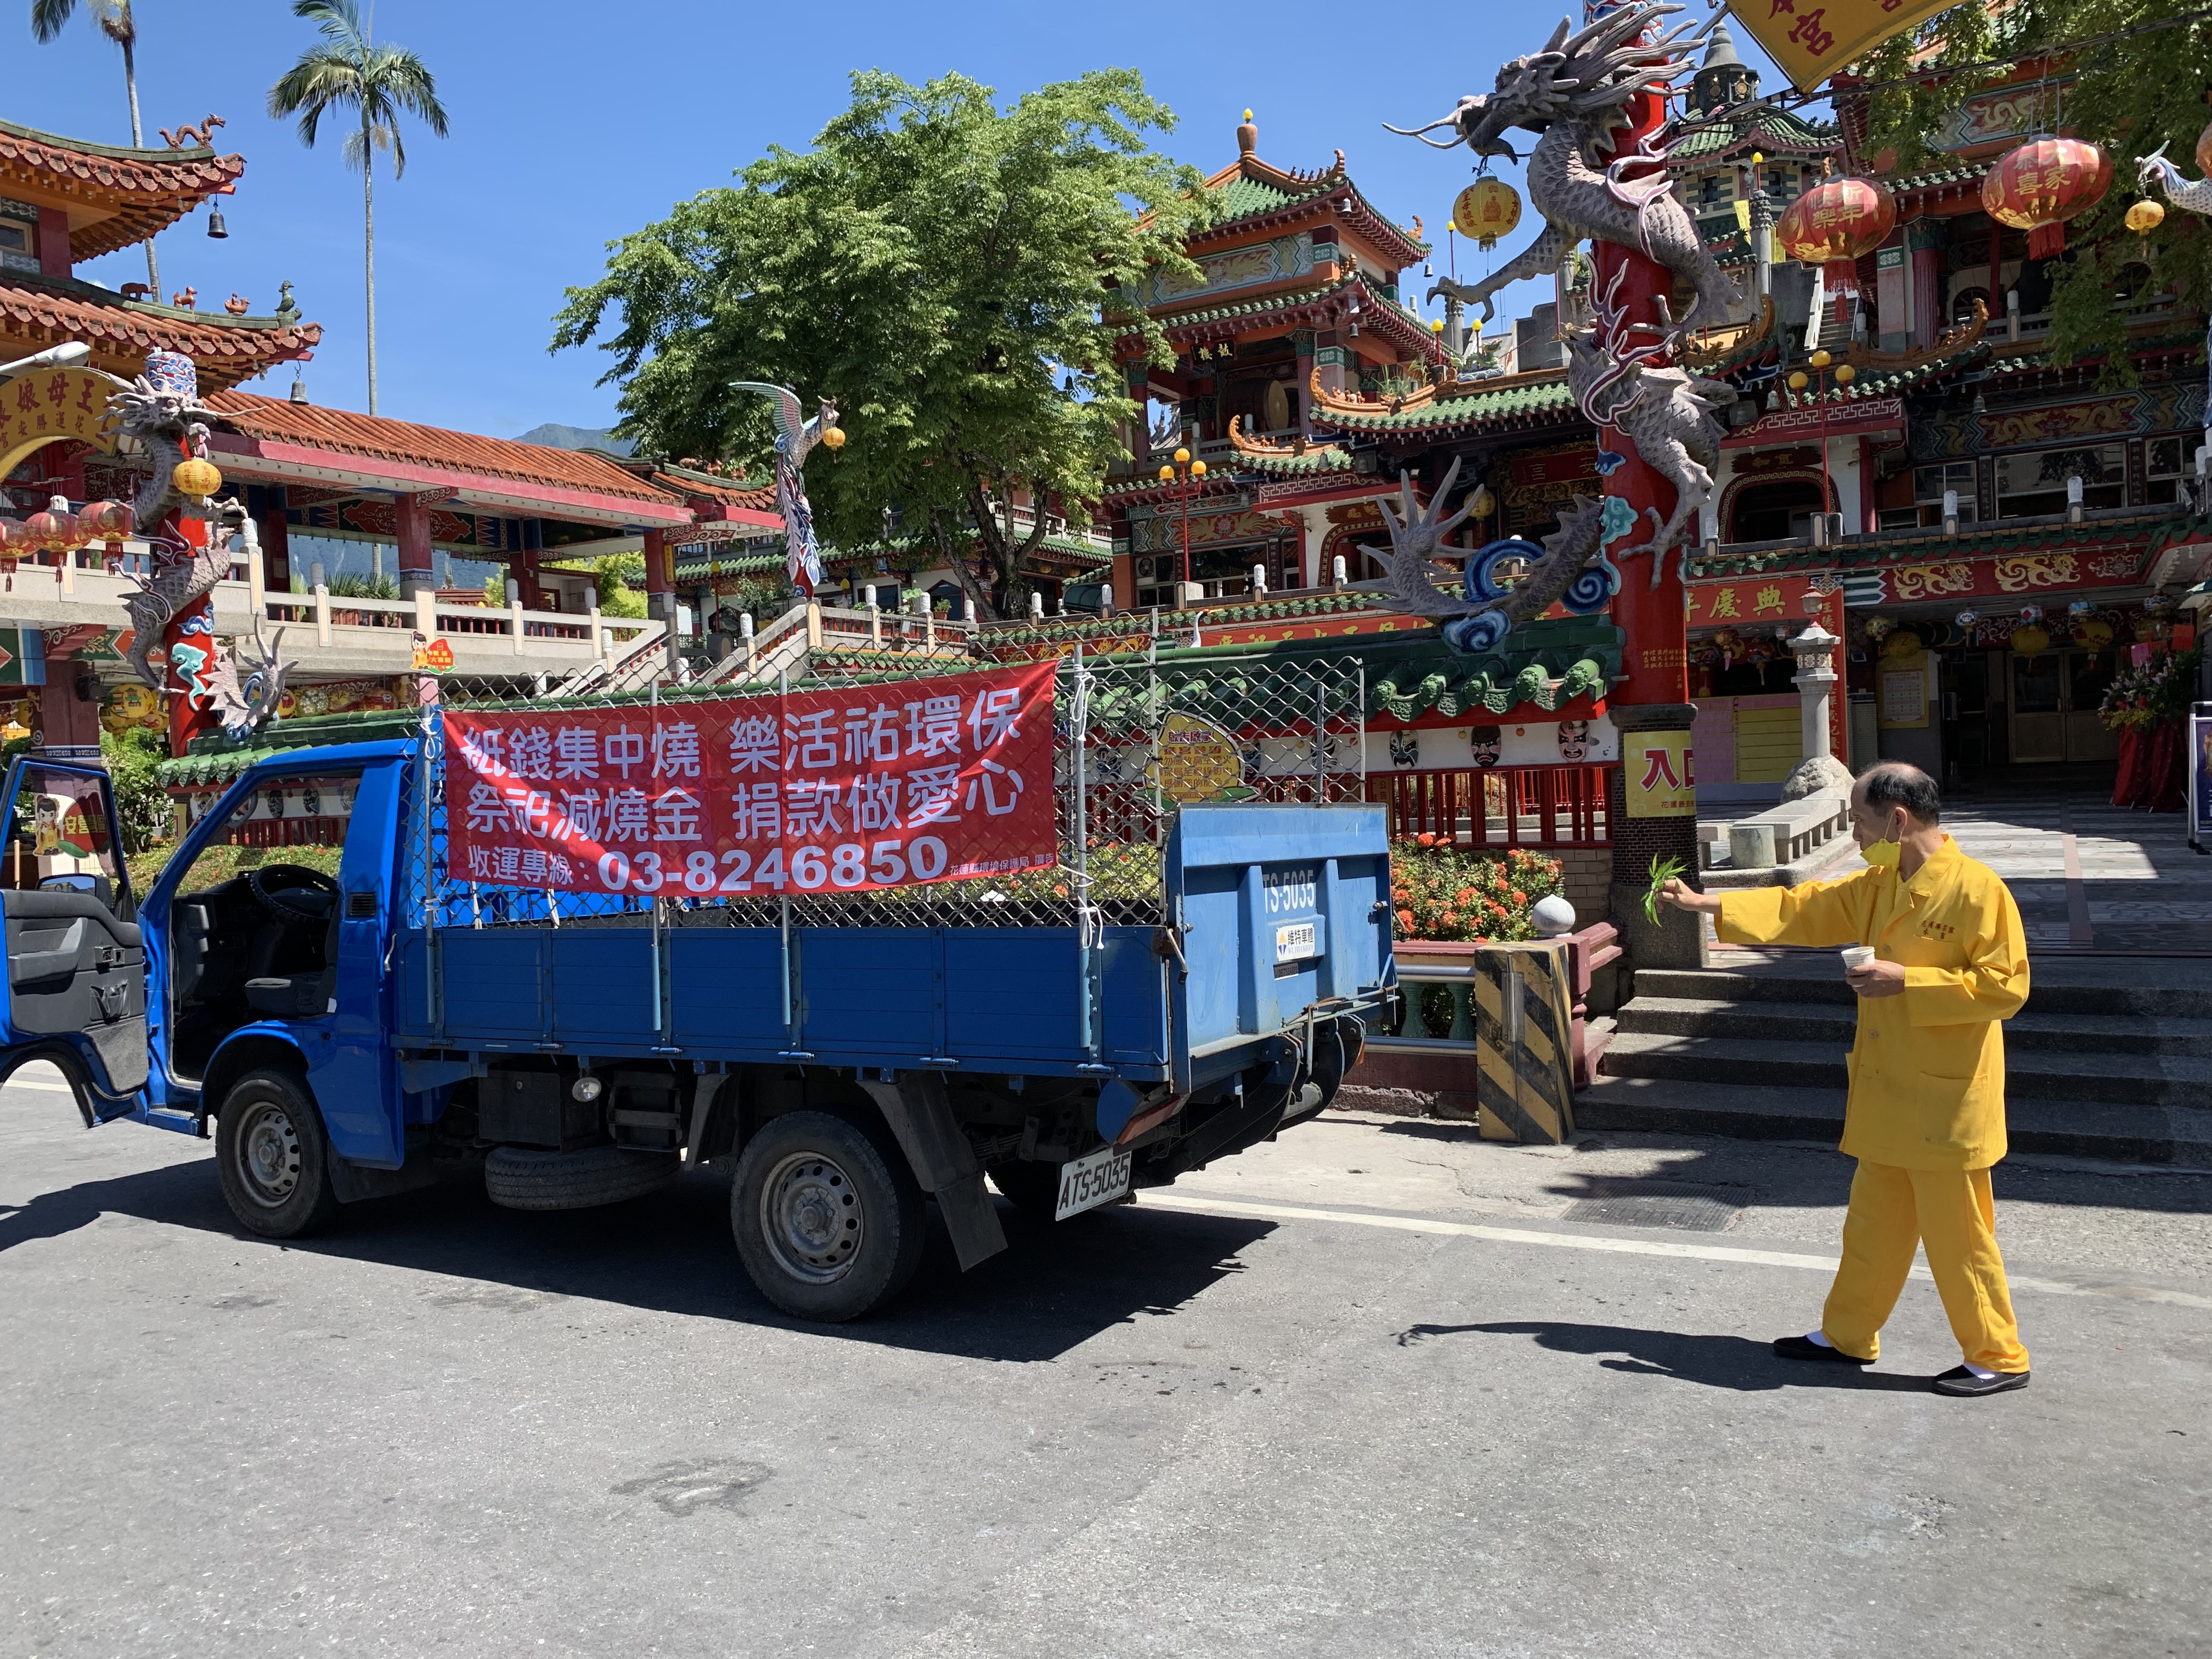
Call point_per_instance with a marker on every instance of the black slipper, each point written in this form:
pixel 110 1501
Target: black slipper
pixel 1803 1348
pixel 1960 1381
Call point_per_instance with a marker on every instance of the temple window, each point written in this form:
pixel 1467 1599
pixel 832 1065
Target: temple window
pixel 1929 483
pixel 2166 460
pixel 2035 484
pixel 19 236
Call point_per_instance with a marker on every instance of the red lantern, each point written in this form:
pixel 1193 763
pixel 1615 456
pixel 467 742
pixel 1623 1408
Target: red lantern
pixel 2040 185
pixel 54 531
pixel 1834 225
pixel 104 521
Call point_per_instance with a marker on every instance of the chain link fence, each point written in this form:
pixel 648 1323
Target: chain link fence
pixel 1136 738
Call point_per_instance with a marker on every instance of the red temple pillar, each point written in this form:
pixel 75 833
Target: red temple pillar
pixel 660 585
pixel 275 546
pixel 1652 806
pixel 415 563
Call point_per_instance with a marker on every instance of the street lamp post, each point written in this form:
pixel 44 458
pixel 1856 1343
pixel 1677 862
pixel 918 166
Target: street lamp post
pixel 1843 376
pixel 1184 476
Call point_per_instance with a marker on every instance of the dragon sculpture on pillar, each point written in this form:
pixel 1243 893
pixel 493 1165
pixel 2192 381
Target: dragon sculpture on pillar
pixel 1572 93
pixel 169 424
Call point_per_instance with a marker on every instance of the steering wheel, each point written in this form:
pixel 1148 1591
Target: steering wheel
pixel 263 882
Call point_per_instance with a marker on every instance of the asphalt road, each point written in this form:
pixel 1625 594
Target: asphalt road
pixel 1373 1389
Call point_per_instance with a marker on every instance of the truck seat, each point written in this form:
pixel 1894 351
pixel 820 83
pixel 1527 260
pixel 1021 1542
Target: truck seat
pixel 289 996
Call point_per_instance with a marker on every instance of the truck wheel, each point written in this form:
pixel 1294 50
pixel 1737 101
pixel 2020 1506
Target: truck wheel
pixel 272 1156
pixel 523 1178
pixel 829 1218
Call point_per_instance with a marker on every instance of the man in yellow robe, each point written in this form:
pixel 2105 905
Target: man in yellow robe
pixel 1925 1116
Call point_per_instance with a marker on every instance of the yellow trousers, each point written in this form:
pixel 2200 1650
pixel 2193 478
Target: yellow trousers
pixel 1950 1211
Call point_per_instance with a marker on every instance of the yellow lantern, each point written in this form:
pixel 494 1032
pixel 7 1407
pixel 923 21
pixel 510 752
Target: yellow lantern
pixel 1798 381
pixel 1198 468
pixel 833 437
pixel 1182 458
pixel 1167 475
pixel 1902 646
pixel 2030 640
pixel 1486 209
pixel 196 477
pixel 1484 502
pixel 2096 634
pixel 2146 216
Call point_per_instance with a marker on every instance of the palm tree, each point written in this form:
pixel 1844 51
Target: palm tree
pixel 116 22
pixel 379 82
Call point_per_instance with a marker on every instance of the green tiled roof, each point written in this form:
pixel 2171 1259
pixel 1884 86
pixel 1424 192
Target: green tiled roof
pixel 1540 397
pixel 1889 382
pixel 1314 462
pixel 1243 197
pixel 1778 129
pixel 1131 630
pixel 1297 296
pixel 1953 174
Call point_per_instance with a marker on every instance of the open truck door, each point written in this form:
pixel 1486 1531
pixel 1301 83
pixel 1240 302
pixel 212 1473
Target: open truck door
pixel 76 987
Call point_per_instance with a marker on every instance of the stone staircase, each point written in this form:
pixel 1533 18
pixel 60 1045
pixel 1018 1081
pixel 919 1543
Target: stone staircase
pixel 2111 1059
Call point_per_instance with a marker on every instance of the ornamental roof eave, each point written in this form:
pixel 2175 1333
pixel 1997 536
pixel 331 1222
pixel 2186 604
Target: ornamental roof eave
pixel 1257 195
pixel 37 311
pixel 143 190
pixel 2151 527
pixel 1458 408
pixel 1324 303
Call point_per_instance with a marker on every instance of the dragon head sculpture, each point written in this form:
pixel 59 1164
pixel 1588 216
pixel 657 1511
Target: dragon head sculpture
pixel 1588 74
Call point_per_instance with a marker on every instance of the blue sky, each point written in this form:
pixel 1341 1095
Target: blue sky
pixel 576 122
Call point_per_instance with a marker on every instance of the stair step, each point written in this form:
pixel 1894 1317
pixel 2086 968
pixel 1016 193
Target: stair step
pixel 2029 1031
pixel 2178 988
pixel 2030 1074
pixel 2127 1132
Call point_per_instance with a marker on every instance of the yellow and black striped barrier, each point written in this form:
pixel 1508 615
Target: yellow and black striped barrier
pixel 1524 1002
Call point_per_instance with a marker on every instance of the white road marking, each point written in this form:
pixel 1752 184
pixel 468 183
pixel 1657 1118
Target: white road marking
pixel 1673 1249
pixel 43 1087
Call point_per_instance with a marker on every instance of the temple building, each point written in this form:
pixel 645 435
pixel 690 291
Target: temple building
pixel 1298 301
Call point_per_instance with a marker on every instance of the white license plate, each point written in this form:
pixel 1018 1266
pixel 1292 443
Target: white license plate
pixel 1296 941
pixel 1085 1182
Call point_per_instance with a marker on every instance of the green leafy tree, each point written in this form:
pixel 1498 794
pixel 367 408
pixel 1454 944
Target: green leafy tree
pixel 380 84
pixel 935 264
pixel 113 19
pixel 134 758
pixel 2130 95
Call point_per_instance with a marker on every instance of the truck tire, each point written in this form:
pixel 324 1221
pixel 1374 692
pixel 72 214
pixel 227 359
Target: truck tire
pixel 522 1178
pixel 829 1218
pixel 272 1156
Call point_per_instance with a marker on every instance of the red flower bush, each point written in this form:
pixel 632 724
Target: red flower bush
pixel 1442 893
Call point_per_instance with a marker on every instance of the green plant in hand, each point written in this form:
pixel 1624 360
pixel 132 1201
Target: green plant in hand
pixel 1662 871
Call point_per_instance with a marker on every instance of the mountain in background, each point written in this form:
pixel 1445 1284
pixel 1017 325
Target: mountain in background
pixel 553 435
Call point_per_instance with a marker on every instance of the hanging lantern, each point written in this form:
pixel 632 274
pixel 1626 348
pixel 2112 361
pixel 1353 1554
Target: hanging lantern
pixel 104 521
pixel 833 438
pixel 2095 633
pixel 1966 619
pixel 1903 645
pixel 196 477
pixel 2040 185
pixel 1834 225
pixel 2028 640
pixel 1487 209
pixel 54 531
pixel 2145 216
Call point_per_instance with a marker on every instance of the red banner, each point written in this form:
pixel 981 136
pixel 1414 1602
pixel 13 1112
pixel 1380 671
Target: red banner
pixel 877 786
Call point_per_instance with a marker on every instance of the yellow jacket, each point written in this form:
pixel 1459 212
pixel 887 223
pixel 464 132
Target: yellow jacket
pixel 1928 1070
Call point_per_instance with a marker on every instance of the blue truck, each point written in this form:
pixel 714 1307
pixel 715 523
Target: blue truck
pixel 305 984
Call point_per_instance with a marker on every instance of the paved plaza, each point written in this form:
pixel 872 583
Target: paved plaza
pixel 1376 1389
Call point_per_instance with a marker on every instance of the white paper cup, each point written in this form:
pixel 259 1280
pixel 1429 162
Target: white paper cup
pixel 1856 956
